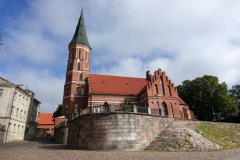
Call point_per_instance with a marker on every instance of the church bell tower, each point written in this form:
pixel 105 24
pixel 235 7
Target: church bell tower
pixel 75 96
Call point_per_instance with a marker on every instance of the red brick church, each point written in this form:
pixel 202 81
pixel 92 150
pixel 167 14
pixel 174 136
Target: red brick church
pixel 83 89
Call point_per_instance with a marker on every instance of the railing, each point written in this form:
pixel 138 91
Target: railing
pixel 113 108
pixel 142 109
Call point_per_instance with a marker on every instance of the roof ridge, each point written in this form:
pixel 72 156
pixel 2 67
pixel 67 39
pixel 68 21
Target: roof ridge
pixel 117 76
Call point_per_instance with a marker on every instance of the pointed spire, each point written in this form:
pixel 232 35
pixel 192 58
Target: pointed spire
pixel 80 35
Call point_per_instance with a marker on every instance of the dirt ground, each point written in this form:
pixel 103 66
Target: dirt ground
pixel 45 149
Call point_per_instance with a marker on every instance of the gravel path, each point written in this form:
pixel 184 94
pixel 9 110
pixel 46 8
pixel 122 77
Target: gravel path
pixel 44 149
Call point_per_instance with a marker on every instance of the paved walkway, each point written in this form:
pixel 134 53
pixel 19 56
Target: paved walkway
pixel 44 149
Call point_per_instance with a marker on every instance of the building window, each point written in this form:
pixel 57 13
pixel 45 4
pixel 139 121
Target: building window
pixel 68 90
pixel 75 108
pixel 78 66
pixel 18 130
pixel 1 92
pixel 80 77
pixel 164 109
pixel 14 128
pixel 70 78
pixel 24 115
pixel 82 91
pixel 76 91
pixel 22 129
pixel 86 64
pixel 17 112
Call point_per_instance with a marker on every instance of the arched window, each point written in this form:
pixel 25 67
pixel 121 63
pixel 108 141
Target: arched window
pixel 156 87
pixel 105 107
pixel 164 111
pixel 78 66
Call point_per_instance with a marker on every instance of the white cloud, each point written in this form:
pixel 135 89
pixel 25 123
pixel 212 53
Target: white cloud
pixel 187 39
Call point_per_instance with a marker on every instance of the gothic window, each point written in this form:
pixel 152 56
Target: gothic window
pixel 76 92
pixel 75 108
pixel 82 91
pixel 164 109
pixel 105 107
pixel 156 87
pixel 78 66
pixel 70 78
pixel 80 77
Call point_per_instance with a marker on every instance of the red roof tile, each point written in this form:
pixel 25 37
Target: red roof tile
pixel 45 118
pixel 116 85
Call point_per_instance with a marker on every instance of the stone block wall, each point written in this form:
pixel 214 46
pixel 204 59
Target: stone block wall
pixel 115 131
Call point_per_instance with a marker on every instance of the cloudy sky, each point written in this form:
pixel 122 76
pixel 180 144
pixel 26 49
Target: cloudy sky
pixel 186 39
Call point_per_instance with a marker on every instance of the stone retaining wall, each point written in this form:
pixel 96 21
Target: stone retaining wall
pixel 61 134
pixel 117 130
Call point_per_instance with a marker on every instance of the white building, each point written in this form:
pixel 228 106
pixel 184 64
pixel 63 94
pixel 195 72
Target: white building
pixel 15 103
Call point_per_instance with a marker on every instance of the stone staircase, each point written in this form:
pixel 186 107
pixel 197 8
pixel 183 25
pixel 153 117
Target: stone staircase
pixel 177 136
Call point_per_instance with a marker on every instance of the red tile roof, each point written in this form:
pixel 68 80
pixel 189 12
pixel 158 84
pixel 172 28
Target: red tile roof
pixel 45 118
pixel 116 85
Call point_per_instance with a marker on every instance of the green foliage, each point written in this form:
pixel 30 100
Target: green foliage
pixel 126 106
pixel 58 111
pixel 208 99
pixel 236 91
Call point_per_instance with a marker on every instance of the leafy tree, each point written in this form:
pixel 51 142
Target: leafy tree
pixel 126 106
pixel 208 99
pixel 58 111
pixel 236 91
